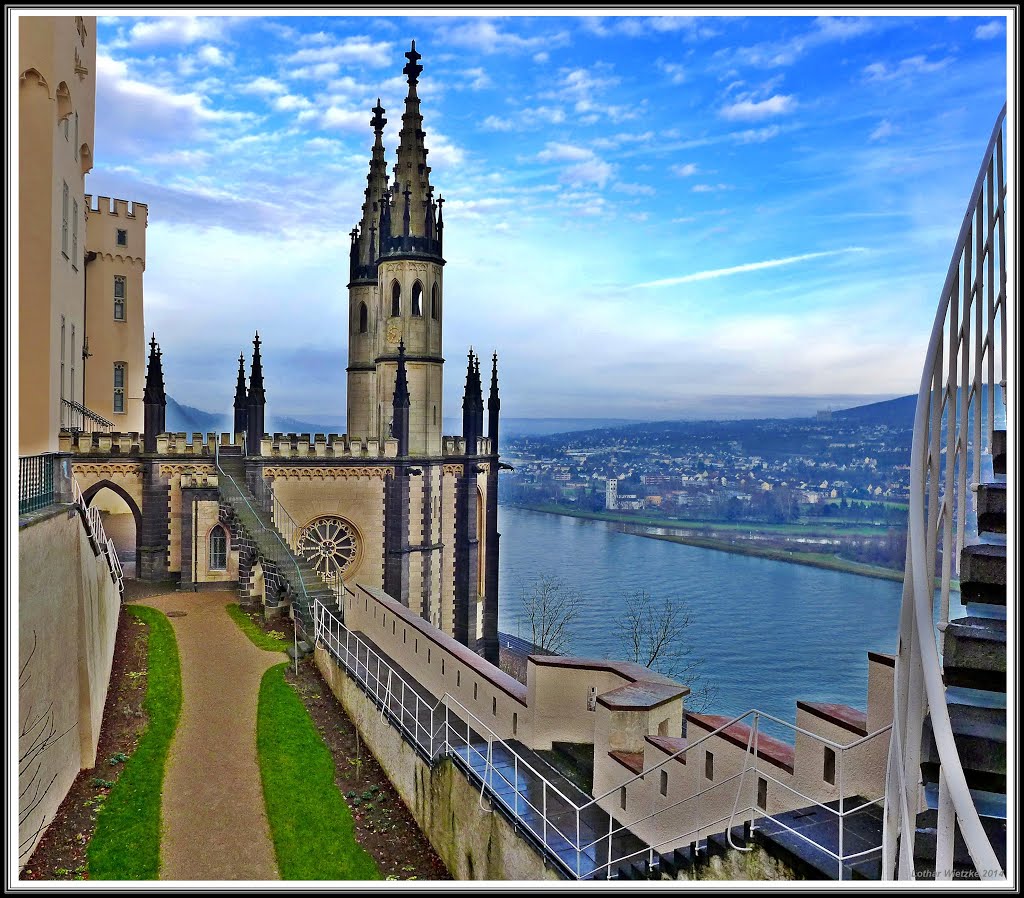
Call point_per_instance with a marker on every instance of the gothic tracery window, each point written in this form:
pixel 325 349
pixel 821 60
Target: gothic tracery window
pixel 329 544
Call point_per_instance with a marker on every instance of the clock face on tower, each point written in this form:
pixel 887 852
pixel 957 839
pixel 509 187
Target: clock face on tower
pixel 394 333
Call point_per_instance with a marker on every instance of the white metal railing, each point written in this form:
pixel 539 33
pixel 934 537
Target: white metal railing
pixel 963 379
pixel 447 728
pixel 98 536
pixel 751 812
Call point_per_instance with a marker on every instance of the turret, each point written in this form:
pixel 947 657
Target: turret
pixel 363 263
pixel 241 398
pixel 154 399
pixel 257 402
pixel 469 431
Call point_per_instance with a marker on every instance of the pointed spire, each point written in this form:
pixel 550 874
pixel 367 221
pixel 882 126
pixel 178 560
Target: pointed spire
pixel 154 392
pixel 241 398
pixel 493 407
pixel 412 168
pixel 469 407
pixel 257 395
pixel 401 379
pixel 400 405
pixel 154 399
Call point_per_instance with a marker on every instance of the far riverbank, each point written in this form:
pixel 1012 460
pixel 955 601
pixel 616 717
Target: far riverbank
pixel 641 527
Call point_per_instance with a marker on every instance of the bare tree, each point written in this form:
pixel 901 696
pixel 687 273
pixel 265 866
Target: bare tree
pixel 658 634
pixel 549 608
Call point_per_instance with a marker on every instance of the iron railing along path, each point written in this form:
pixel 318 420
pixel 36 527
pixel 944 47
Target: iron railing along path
pixel 566 829
pixel 98 536
pixel 962 382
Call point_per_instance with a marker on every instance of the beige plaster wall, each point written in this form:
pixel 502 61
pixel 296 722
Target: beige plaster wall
pixel 68 610
pixel 57 63
pixel 208 517
pixel 359 499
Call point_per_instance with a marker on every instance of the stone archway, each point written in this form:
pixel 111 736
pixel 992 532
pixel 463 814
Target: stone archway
pixel 91 492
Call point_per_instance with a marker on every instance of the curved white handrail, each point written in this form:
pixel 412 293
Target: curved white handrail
pixel 917 633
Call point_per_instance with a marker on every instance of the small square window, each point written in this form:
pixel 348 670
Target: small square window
pixel 122 237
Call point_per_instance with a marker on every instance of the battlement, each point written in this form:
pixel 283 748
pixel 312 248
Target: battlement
pixel 131 443
pixel 118 208
pixel 198 481
pixel 331 445
pixel 457 446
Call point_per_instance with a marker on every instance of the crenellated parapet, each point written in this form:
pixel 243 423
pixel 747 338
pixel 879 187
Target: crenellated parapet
pixel 456 446
pixel 117 208
pixel 332 445
pixel 170 444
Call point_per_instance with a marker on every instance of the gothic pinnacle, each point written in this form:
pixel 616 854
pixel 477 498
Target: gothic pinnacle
pixel 413 69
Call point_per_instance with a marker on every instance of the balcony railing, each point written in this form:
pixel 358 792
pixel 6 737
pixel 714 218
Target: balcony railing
pixel 961 385
pixel 35 482
pixel 76 418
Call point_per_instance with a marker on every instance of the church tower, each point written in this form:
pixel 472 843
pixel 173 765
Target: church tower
pixel 395 287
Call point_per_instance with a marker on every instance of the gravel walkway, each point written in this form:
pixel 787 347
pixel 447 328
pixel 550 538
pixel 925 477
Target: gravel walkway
pixel 215 824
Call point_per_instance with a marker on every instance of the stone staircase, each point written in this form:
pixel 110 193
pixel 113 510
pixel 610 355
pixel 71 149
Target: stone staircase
pixel 304 583
pixel 974 674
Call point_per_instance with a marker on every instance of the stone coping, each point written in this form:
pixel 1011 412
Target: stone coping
pixel 498 678
pixel 626 669
pixel 882 658
pixel 641 695
pixel 670 745
pixel 631 760
pixel 851 719
pixel 770 749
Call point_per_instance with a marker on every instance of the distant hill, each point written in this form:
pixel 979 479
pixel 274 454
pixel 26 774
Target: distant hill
pixel 894 412
pixel 524 427
pixel 186 419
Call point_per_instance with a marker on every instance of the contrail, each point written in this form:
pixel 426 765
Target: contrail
pixel 750 266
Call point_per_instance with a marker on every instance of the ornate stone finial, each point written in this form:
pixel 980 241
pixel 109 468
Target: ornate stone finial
pixel 413 69
pixel 378 121
pixel 152 342
pixel 256 341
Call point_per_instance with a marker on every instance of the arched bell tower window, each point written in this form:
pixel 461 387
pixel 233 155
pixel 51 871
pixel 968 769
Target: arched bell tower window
pixel 218 549
pixel 433 302
pixel 417 299
pixel 396 299
pixel 362 318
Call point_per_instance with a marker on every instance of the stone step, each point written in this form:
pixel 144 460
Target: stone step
pixel 975 653
pixel 983 574
pixel 992 507
pixel 980 737
pixel 999 451
pixel 925 838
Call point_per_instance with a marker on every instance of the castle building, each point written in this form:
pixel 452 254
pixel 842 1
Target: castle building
pixel 115 235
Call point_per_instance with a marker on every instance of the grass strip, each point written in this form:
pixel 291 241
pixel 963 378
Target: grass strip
pixel 257 637
pixel 126 842
pixel 310 823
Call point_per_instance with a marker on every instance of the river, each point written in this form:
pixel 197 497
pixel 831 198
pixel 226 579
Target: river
pixel 769 632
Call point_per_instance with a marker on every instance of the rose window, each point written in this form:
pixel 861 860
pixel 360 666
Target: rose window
pixel 329 545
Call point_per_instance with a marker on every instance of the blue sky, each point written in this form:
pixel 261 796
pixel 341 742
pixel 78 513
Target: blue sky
pixel 646 217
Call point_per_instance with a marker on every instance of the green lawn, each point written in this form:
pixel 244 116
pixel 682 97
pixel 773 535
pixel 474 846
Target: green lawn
pixel 126 843
pixel 310 823
pixel 256 635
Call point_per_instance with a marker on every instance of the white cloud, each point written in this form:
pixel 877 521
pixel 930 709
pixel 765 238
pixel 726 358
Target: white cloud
pixel 780 104
pixel 750 266
pixel 686 170
pixel 676 73
pixel 586 167
pixel 182 158
pixel 907 68
pixel 634 189
pixel 884 129
pixel 989 30
pixel 318 72
pixel 212 55
pixel 290 102
pixel 541 57
pixel 487 37
pixel 177 29
pixel 355 49
pixel 709 188
pixel 345 119
pixel 757 135
pixel 262 85
pixel 475 79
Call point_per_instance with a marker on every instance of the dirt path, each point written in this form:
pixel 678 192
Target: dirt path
pixel 215 824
